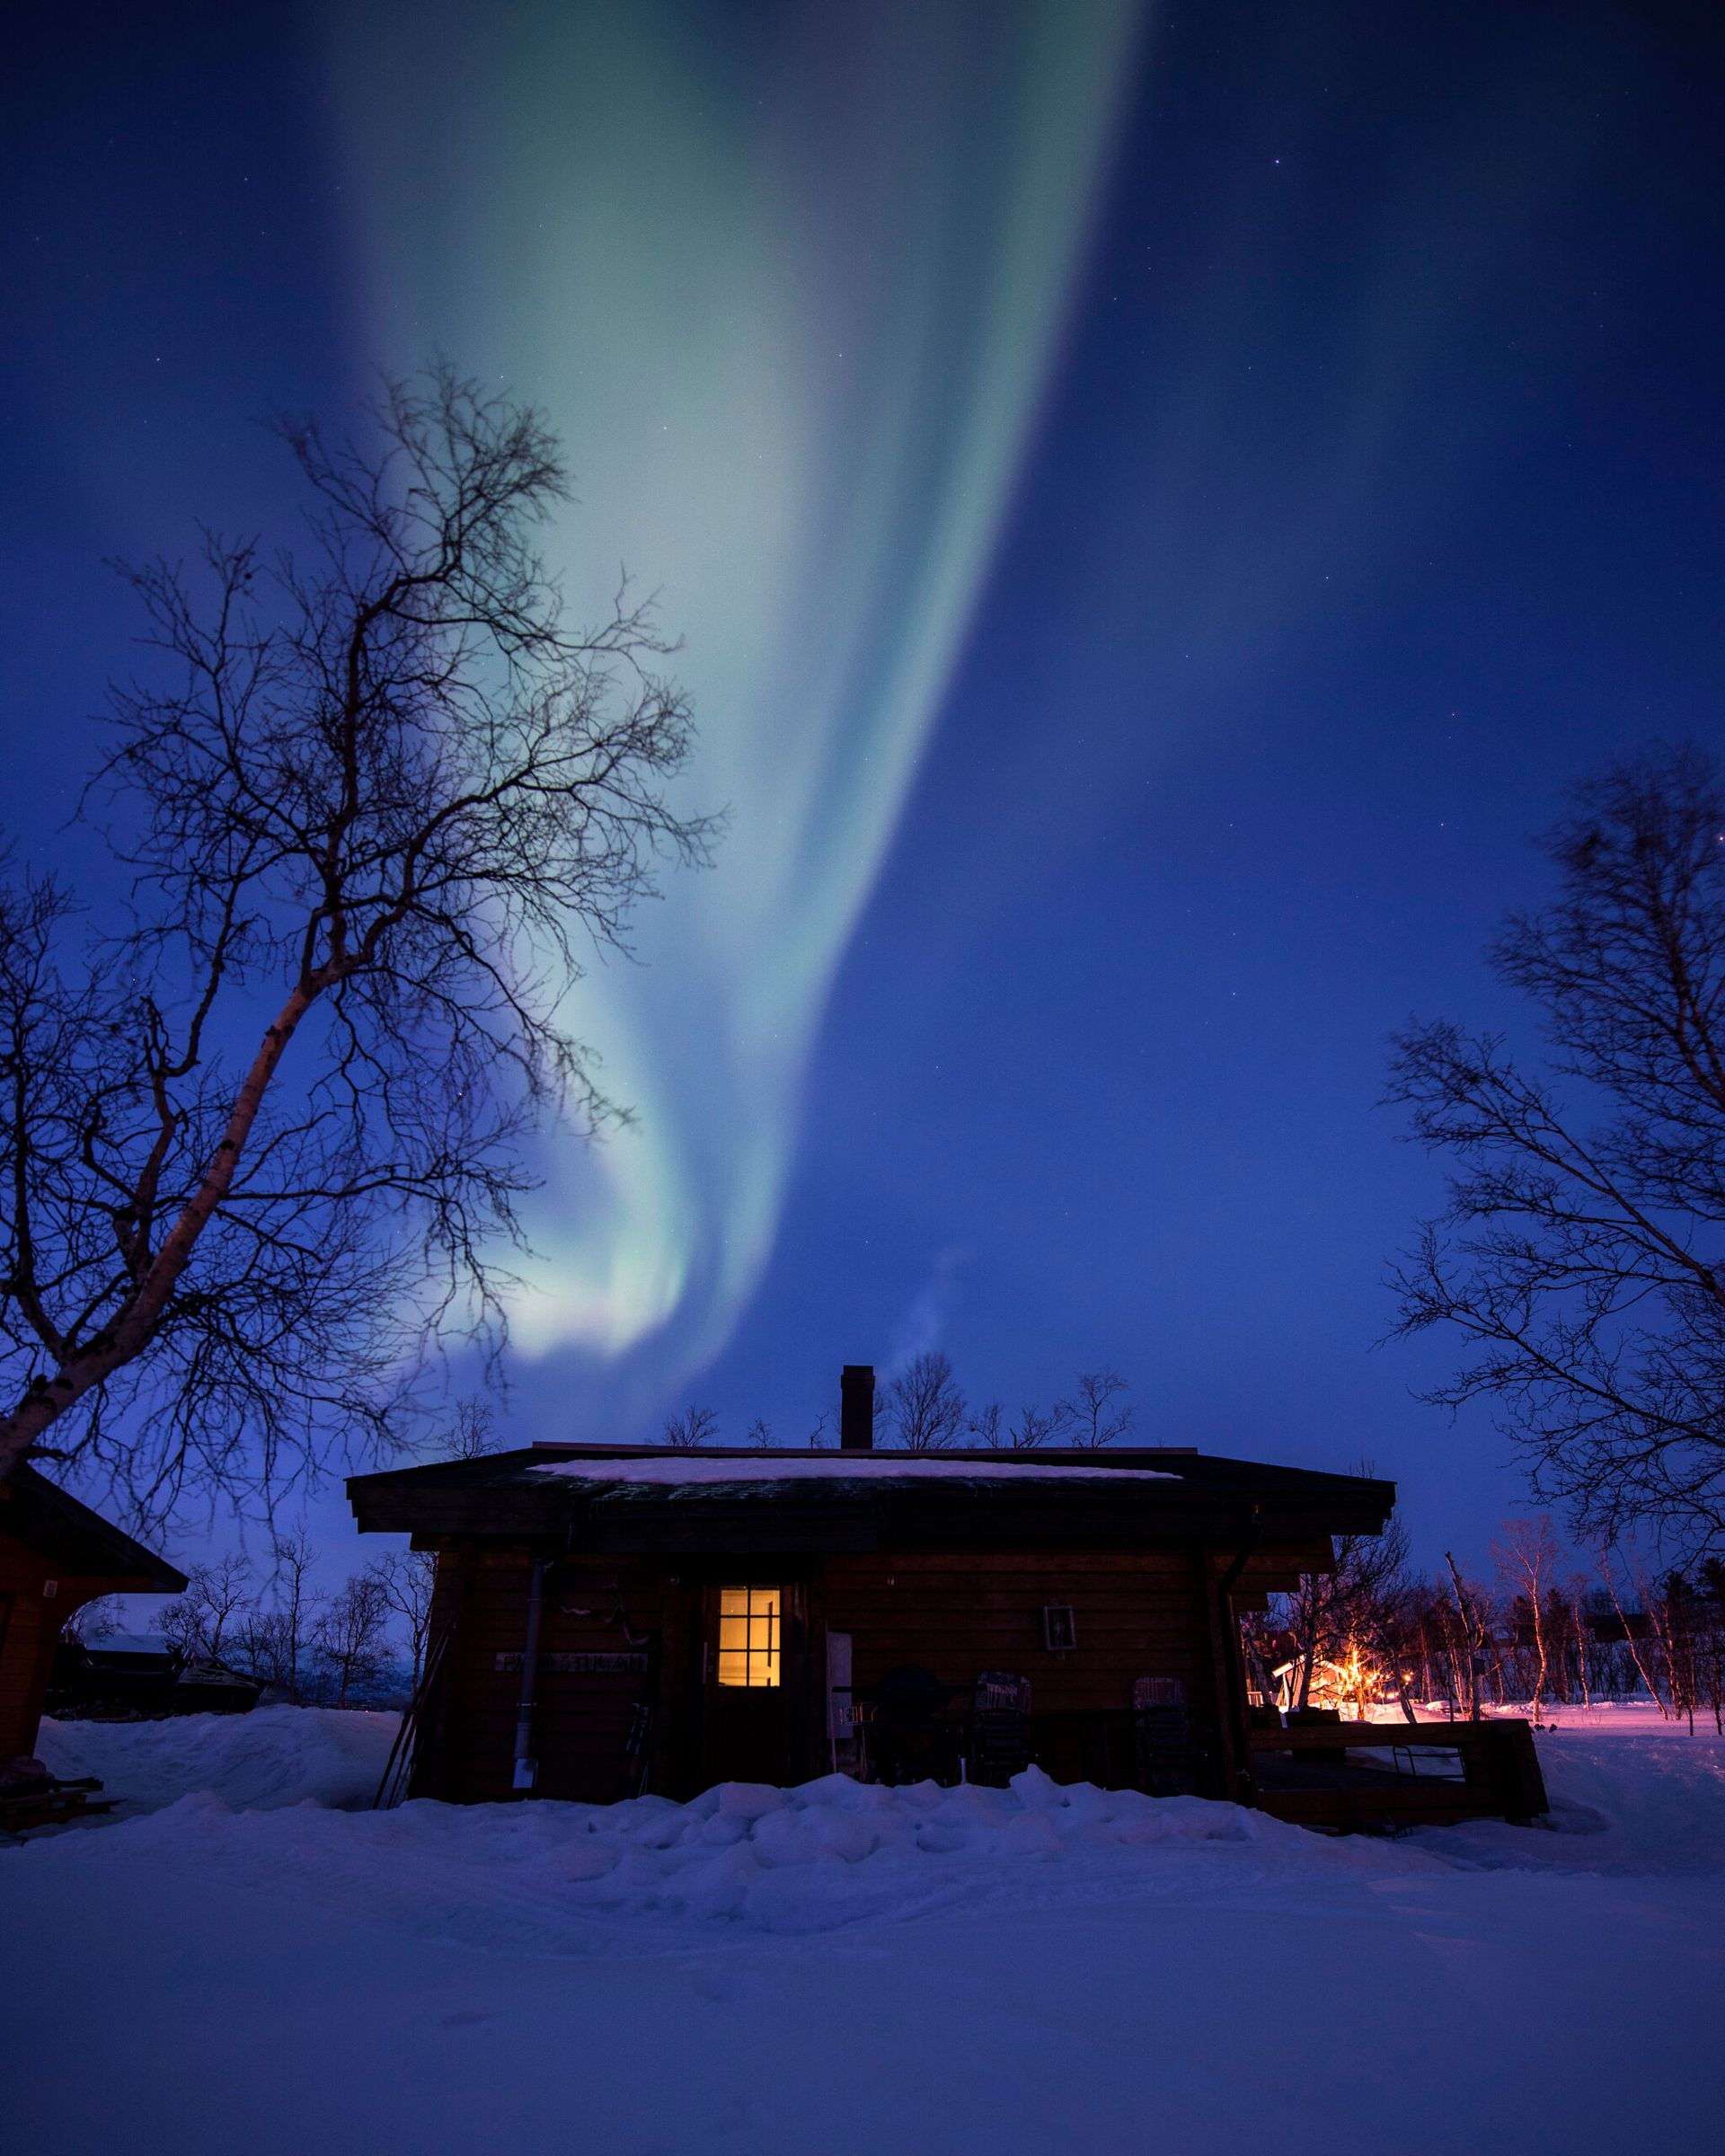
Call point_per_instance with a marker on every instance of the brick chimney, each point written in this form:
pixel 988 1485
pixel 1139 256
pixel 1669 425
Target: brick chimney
pixel 857 1407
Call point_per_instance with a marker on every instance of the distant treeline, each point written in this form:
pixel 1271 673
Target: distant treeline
pixel 334 1649
pixel 1536 1633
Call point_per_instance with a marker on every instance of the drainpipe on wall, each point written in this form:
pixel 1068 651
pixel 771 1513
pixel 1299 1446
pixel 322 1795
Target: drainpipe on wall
pixel 527 1767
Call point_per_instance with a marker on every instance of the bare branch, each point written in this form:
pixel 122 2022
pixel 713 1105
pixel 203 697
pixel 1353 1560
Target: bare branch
pixel 693 1428
pixel 926 1409
pixel 1580 1255
pixel 265 1140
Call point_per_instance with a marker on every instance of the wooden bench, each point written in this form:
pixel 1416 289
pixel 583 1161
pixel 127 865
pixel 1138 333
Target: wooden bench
pixel 48 1803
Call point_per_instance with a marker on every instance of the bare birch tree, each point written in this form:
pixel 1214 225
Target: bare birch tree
pixel 926 1409
pixel 693 1428
pixel 378 806
pixel 1580 1256
pixel 475 1431
pixel 1526 1556
pixel 217 1595
pixel 295 1561
pixel 1627 1627
pixel 982 1426
pixel 406 1578
pixel 1575 1612
pixel 1474 1633
pixel 349 1633
pixel 1099 1412
pixel 1032 1427
pixel 1358 1610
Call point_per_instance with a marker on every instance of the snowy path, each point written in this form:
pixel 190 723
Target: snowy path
pixel 942 1972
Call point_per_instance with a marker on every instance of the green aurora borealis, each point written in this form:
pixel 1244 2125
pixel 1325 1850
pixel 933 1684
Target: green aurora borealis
pixel 790 308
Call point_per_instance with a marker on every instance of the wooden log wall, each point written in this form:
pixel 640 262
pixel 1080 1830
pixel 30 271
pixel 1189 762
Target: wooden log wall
pixel 1137 1614
pixel 31 1621
pixel 591 1615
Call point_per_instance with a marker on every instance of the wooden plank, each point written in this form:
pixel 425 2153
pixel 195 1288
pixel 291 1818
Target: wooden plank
pixel 1350 1808
pixel 1327 1736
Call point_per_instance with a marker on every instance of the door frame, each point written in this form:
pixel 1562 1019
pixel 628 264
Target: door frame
pixel 717 1750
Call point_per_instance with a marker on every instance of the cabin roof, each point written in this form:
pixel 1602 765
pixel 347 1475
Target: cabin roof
pixel 619 1498
pixel 52 1522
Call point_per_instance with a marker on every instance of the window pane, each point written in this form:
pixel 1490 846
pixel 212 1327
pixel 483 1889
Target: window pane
pixel 749 1636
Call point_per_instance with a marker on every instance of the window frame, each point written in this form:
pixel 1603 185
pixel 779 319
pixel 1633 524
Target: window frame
pixel 760 1653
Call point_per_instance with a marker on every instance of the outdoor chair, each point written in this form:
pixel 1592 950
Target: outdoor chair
pixel 1000 1727
pixel 909 1730
pixel 1162 1732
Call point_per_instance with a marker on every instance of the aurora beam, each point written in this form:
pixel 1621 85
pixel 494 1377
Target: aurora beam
pixel 788 284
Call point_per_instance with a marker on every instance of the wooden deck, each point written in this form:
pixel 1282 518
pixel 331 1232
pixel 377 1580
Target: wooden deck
pixel 1347 1776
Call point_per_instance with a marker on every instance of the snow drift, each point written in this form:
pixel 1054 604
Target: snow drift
pixel 830 1855
pixel 256 1761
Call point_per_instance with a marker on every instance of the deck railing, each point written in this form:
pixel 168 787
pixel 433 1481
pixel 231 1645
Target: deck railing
pixel 1381 1774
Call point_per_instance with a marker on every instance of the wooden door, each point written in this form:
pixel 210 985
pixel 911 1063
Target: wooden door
pixel 751 1665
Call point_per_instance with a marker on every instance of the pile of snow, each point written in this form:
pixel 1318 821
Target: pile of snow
pixel 257 1761
pixel 1628 1793
pixel 742 1858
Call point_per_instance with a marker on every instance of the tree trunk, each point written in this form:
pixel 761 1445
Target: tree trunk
pixel 1471 1673
pixel 1629 1640
pixel 47 1399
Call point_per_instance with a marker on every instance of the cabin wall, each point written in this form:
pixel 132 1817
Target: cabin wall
pixel 583 1715
pixel 1136 1613
pixel 1141 1613
pixel 36 1598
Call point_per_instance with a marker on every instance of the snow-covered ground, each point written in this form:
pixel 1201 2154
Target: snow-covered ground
pixel 836 1968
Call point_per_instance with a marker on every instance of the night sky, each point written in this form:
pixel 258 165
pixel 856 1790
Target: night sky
pixel 1160 509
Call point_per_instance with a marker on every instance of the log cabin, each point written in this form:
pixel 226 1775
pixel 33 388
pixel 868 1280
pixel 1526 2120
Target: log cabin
pixel 612 1620
pixel 55 1556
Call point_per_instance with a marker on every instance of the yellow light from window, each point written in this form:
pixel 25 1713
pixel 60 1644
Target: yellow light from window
pixel 749 1636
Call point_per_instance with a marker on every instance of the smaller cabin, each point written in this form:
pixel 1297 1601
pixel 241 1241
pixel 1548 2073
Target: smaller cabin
pixel 55 1555
pixel 144 1677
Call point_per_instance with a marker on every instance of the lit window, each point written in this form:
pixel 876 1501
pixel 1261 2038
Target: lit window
pixel 749 1636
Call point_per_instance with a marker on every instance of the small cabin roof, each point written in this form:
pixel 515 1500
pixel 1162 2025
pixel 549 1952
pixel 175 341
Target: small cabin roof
pixel 54 1523
pixel 619 1498
pixel 153 1647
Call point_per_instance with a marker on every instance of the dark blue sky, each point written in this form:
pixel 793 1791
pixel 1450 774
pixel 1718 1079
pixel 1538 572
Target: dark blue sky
pixel 1374 498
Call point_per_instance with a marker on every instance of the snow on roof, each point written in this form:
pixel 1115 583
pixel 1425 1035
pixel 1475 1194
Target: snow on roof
pixel 683 1468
